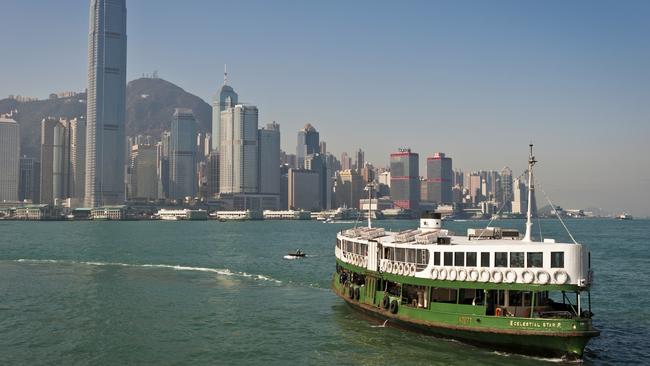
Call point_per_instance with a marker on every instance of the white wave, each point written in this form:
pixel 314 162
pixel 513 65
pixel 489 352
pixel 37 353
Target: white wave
pixel 219 271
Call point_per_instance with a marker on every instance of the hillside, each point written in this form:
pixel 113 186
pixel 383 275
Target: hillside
pixel 150 104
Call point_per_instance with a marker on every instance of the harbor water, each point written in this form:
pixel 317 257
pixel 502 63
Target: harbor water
pixel 171 293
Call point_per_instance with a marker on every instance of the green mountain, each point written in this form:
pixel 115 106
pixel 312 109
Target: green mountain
pixel 150 104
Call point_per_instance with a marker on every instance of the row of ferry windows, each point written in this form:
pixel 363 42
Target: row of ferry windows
pixel 501 259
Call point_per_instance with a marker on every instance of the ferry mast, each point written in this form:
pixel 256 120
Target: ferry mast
pixel 531 189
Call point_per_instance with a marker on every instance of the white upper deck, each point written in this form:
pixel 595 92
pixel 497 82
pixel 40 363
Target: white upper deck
pixel 485 255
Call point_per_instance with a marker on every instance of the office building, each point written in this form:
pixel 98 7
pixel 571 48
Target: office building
pixel 182 155
pixel 269 159
pixel 144 172
pixel 224 99
pixel 105 136
pixel 303 188
pixel 439 179
pixel 9 159
pixel 238 150
pixel 308 143
pixel 30 180
pixel 317 163
pixel 349 188
pixel 405 179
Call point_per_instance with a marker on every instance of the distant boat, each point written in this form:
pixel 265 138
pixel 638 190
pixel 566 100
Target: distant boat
pixel 624 216
pixel 295 255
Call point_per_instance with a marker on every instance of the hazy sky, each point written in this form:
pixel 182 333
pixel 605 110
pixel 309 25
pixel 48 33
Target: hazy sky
pixel 477 80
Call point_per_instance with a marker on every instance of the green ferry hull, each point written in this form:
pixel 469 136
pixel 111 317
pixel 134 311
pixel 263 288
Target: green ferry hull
pixel 566 344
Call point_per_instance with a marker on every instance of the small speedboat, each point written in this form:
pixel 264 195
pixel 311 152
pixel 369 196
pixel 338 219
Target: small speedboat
pixel 295 255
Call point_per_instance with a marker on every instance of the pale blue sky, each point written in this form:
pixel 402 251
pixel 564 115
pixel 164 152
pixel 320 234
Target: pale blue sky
pixel 477 80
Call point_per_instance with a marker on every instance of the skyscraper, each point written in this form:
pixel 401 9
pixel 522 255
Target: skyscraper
pixel 9 159
pixel 301 192
pixel 182 159
pixel 405 179
pixel 30 180
pixel 349 188
pixel 317 163
pixel 224 99
pixel 269 159
pixel 360 159
pixel 238 150
pixel 53 160
pixel 77 158
pixel 105 137
pixel 144 173
pixel 308 143
pixel 439 178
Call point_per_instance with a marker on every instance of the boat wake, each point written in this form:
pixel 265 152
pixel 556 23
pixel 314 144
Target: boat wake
pixel 545 359
pixel 223 272
pixel 380 326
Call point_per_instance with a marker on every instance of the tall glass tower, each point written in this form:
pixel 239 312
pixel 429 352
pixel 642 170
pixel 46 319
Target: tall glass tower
pixel 105 136
pixel 224 99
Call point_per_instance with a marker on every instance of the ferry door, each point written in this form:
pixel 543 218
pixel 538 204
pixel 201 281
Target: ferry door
pixel 370 290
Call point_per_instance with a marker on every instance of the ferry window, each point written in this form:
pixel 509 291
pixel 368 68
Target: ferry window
pixel 470 296
pixel 348 246
pixel 485 259
pixel 501 259
pixel 443 295
pixel 535 260
pixel 516 259
pixel 410 255
pixel 449 258
pixel 459 258
pixel 557 259
pixel 422 256
pixel 471 259
pixel 436 258
pixel 400 254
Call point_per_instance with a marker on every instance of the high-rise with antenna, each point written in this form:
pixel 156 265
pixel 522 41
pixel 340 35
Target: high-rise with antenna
pixel 225 97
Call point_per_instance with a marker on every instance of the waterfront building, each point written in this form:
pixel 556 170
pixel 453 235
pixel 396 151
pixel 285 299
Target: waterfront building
pixel 144 173
pixel 269 159
pixel 308 143
pixel 29 188
pixel 106 97
pixel 349 188
pixel 224 99
pixel 304 190
pixel 238 150
pixel 182 160
pixel 117 212
pixel 9 159
pixel 405 179
pixel 439 178
pixel 36 212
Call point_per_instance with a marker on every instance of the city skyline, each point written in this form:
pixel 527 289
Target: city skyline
pixel 577 91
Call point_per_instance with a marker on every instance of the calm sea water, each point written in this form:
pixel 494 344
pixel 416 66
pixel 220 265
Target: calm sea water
pixel 169 293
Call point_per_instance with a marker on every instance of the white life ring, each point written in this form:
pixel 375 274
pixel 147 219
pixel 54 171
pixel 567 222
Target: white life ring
pixel 442 274
pixel 543 277
pixel 388 267
pixel 473 275
pixel 413 269
pixel 497 276
pixel 400 269
pixel 510 276
pixel 452 274
pixel 462 275
pixel 485 275
pixel 527 276
pixel 395 267
pixel 434 274
pixel 403 269
pixel 561 277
